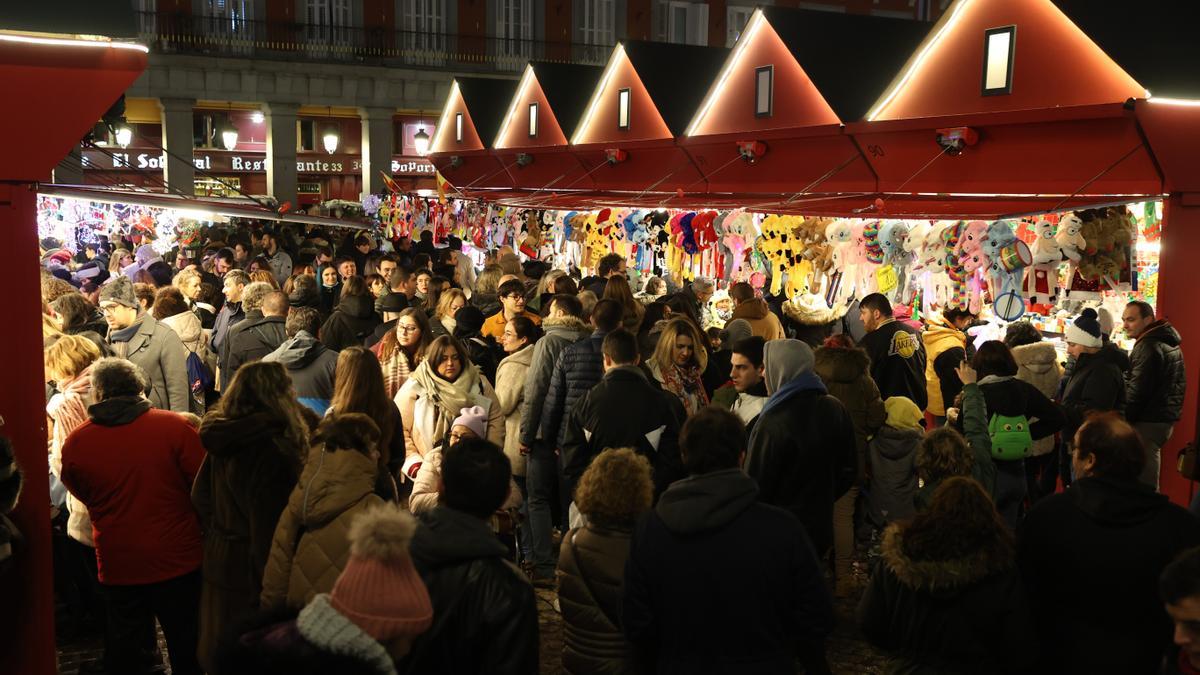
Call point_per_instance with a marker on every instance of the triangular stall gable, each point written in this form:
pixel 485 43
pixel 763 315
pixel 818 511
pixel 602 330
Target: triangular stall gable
pixel 1044 102
pixel 470 119
pixel 537 152
pixel 633 153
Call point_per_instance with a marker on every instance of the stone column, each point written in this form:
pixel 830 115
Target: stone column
pixel 378 132
pixel 177 141
pixel 281 151
pixel 70 170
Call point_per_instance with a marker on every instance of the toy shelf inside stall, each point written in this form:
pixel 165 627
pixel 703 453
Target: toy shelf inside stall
pixel 1043 269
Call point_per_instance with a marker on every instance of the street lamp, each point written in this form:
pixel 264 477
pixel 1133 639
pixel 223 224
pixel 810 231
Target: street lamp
pixel 330 139
pixel 421 142
pixel 123 133
pixel 229 134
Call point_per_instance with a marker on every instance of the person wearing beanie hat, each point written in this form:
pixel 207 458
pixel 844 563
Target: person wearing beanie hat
pixel 1097 382
pixel 893 457
pixel 337 484
pixel 802 451
pixel 377 607
pixel 135 335
pixel 471 424
pixel 485 617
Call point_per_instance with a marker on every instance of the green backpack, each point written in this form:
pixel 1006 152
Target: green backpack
pixel 1010 437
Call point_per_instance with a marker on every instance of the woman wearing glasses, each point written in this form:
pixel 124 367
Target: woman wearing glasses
pixel 435 395
pixel 403 348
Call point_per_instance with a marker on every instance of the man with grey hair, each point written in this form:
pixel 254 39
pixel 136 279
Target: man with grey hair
pixel 154 347
pixel 699 292
pixel 260 333
pixel 133 467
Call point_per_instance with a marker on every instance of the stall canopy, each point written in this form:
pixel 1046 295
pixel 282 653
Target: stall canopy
pixel 533 140
pixel 771 125
pixel 467 129
pixel 1002 108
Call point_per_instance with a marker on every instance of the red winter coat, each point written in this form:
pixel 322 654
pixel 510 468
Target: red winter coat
pixel 133 467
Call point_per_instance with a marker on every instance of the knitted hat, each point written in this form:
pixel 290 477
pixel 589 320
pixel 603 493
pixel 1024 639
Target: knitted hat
pixel 473 418
pixel 120 291
pixel 1085 330
pixel 902 413
pixel 379 589
pixel 738 329
pixel 467 321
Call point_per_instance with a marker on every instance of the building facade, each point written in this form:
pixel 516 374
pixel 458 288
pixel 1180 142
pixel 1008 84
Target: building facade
pixel 290 74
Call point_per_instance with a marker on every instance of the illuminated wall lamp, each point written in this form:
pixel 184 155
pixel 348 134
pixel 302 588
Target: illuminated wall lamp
pixel 751 151
pixel 615 156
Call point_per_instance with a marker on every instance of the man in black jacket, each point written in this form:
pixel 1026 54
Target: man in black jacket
pixel 803 452
pixel 260 333
pixel 484 611
pixel 712 543
pixel 1091 556
pixel 896 350
pixel 578 369
pixel 1156 382
pixel 623 411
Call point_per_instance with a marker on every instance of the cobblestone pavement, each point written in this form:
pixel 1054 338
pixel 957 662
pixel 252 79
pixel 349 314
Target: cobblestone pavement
pixel 848 653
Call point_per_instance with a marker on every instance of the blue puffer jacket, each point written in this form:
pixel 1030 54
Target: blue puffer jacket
pixel 578 369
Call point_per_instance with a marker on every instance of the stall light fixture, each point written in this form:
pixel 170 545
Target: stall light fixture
pixel 615 156
pixel 524 159
pixel 623 109
pixel 458 127
pixel 79 41
pixel 330 138
pixel 533 120
pixel 999 48
pixel 442 124
pixel 257 117
pixel 456 162
pixel 922 54
pixel 751 151
pixel 123 133
pixel 229 133
pixel 1173 101
pixel 752 27
pixel 764 91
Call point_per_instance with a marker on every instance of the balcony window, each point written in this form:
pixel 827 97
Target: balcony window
pixel 597 22
pixel 736 18
pixel 328 21
pixel 682 22
pixel 424 27
pixel 514 28
pixel 229 22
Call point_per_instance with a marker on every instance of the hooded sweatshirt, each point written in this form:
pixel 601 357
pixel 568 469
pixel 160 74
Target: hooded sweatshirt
pixel 713 527
pixel 351 323
pixel 762 322
pixel 788 370
pixel 311 366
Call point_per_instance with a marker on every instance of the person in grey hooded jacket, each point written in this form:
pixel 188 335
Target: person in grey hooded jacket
pixel 774 604
pixel 803 451
pixel 155 348
pixel 310 364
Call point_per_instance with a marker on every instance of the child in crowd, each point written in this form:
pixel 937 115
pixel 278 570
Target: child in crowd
pixel 893 456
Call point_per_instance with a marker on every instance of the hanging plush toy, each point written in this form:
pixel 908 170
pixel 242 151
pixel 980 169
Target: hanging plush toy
pixel 739 229
pixel 1008 257
pixel 1041 277
pixel 775 244
pixel 951 238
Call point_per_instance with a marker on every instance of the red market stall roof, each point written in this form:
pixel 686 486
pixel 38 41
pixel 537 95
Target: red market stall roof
pixel 467 129
pixel 645 99
pixel 532 141
pixel 782 97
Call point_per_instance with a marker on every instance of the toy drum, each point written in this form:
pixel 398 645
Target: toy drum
pixel 1015 256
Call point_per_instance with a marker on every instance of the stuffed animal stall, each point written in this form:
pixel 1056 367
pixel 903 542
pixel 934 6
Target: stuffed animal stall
pixel 1041 277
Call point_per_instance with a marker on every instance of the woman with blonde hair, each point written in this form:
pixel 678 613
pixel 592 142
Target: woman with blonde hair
pixel 68 364
pixel 439 389
pixel 448 305
pixel 618 289
pixel 257 438
pixel 190 285
pixel 614 490
pixel 264 276
pixel 119 260
pixel 358 388
pixel 403 348
pixel 679 361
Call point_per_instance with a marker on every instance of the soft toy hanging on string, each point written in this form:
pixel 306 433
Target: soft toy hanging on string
pixel 739 228
pixel 775 244
pixel 1041 277
pixel 951 238
pixel 844 257
pixel 1008 256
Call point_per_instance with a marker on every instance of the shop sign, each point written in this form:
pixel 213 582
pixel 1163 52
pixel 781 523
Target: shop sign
pixel 248 162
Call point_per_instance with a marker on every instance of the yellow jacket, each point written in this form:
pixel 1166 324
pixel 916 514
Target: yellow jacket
pixel 493 326
pixel 938 337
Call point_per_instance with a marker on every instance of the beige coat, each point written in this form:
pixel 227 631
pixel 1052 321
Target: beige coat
pixel 510 391
pixel 1037 364
pixel 763 322
pixel 426 424
pixel 311 545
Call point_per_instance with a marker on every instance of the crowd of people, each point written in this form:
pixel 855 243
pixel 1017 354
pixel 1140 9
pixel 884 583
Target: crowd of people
pixel 306 452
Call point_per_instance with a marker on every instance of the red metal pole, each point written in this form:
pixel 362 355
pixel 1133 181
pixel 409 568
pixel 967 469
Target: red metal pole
pixel 1177 302
pixel 27 622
